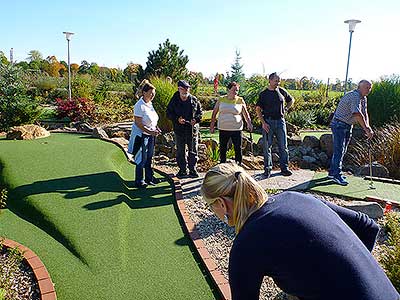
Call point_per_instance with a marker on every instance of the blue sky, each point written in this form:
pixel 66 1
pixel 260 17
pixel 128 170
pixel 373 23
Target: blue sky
pixel 298 38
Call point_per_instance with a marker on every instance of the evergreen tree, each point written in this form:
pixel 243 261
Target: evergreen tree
pixel 236 70
pixel 167 60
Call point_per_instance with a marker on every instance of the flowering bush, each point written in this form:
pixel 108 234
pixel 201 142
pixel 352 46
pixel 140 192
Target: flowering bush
pixel 80 109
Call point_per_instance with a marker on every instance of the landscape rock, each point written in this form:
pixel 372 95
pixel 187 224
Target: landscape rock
pixel 99 132
pixel 372 209
pixel 377 170
pixel 27 132
pixel 326 144
pixel 311 141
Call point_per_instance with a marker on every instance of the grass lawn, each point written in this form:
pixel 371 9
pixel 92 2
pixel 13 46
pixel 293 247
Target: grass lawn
pixel 316 133
pixel 71 201
pixel 358 188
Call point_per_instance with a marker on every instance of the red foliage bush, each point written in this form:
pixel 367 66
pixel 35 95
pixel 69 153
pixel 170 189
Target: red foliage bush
pixel 80 109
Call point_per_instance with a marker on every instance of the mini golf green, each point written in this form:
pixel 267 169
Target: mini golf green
pixel 358 188
pixel 72 201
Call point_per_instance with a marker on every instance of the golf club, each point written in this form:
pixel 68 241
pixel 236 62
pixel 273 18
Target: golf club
pixel 252 152
pixel 371 183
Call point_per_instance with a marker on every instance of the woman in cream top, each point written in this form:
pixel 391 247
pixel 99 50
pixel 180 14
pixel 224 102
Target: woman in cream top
pixel 231 109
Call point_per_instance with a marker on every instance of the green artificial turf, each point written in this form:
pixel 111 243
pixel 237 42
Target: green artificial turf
pixel 72 201
pixel 358 188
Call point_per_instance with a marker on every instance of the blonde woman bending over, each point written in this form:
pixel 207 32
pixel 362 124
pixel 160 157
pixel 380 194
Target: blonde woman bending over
pixel 312 249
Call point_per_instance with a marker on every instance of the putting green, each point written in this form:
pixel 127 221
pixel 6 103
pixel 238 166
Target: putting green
pixel 358 188
pixel 72 201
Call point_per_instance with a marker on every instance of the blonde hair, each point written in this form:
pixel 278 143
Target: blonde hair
pixel 228 179
pixel 144 86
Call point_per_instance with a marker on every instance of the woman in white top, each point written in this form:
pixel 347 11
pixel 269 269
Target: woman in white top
pixel 232 109
pixel 144 131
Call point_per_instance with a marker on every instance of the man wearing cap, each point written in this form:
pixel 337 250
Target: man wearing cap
pixel 185 112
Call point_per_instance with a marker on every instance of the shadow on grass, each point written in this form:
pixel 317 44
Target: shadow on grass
pixel 73 188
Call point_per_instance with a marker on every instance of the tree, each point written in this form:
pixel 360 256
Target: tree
pixel 236 70
pixel 34 55
pixel 16 105
pixel 3 59
pixel 167 60
pixel 84 67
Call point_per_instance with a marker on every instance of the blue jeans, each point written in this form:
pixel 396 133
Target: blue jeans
pixel 277 128
pixel 191 141
pixel 147 149
pixel 341 135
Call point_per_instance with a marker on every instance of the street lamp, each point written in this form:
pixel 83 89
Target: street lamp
pixel 352 24
pixel 68 37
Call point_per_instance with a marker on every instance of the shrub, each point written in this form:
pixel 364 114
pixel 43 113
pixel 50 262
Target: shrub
pixel 322 116
pixel 83 86
pixel 164 92
pixel 114 109
pixel 385 149
pixel 213 153
pixel 384 101
pixel 80 109
pixel 390 258
pixel 3 197
pixel 16 106
pixel 302 118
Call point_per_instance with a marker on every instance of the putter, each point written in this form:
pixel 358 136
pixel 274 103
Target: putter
pixel 252 153
pixel 371 183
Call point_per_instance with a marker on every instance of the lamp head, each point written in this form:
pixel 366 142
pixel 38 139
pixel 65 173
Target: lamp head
pixel 352 24
pixel 68 35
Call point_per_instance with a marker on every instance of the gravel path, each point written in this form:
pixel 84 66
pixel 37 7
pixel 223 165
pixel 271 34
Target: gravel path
pixel 17 279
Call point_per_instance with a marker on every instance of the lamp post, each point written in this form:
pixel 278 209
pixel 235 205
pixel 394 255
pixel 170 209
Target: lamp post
pixel 352 24
pixel 68 37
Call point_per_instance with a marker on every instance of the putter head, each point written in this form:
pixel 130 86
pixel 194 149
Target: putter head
pixel 371 186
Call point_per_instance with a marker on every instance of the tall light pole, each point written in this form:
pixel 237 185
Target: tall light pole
pixel 68 37
pixel 352 24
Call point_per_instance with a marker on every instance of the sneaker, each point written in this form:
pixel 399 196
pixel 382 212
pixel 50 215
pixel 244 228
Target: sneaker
pixel 340 180
pixel 153 182
pixel 140 185
pixel 193 174
pixel 181 174
pixel 286 172
pixel 332 176
pixel 265 175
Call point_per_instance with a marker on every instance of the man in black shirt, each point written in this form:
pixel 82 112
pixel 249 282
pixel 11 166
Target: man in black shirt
pixel 184 110
pixel 270 110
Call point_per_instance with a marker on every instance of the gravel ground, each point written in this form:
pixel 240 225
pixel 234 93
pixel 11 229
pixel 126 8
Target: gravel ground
pixel 17 279
pixel 218 239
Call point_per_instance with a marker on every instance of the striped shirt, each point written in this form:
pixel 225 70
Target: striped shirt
pixel 351 103
pixel 230 114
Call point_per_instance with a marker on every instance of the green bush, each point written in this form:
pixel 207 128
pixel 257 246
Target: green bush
pixel 302 118
pixel 164 92
pixel 114 109
pixel 390 258
pixel 384 101
pixel 16 106
pixel 322 116
pixel 83 86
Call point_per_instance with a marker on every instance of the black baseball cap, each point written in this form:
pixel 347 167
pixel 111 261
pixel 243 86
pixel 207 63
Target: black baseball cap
pixel 184 84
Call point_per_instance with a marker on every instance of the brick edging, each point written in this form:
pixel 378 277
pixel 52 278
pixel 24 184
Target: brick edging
pixel 46 286
pixel 216 275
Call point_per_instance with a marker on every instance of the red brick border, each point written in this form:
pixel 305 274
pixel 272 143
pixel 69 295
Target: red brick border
pixel 46 286
pixel 216 275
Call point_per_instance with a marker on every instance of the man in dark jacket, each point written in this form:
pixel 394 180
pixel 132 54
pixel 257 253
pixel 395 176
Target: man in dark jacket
pixel 185 112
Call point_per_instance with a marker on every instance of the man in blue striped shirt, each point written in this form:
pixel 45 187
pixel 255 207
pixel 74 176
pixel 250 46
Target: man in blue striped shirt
pixel 351 109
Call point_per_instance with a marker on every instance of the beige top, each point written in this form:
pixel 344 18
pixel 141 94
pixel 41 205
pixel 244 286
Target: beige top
pixel 230 114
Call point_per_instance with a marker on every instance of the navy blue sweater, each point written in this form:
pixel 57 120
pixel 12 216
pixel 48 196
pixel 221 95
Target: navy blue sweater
pixel 312 249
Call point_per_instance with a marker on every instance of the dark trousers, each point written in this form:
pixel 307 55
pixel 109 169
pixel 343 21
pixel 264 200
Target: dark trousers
pixel 236 137
pixel 147 148
pixel 189 139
